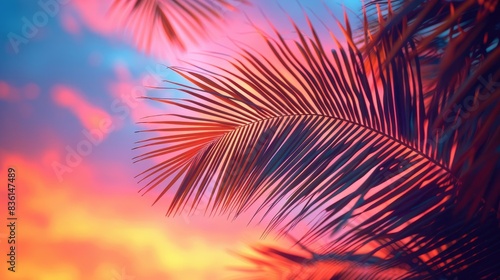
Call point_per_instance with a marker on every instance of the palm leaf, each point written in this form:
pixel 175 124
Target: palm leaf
pixel 313 130
pixel 268 262
pixel 459 39
pixel 438 245
pixel 451 249
pixel 177 21
pixel 317 108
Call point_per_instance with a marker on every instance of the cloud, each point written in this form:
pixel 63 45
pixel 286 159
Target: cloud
pixel 70 24
pixel 12 93
pixel 94 14
pixel 128 91
pixel 89 115
pixel 85 229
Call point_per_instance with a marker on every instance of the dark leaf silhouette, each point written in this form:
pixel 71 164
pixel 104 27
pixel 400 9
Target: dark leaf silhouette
pixel 274 263
pixel 308 130
pixel 458 41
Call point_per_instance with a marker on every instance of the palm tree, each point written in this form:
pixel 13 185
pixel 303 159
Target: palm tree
pixel 354 133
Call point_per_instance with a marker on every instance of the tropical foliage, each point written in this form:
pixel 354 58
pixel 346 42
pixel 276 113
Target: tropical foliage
pixel 359 134
pixel 457 42
pixel 176 21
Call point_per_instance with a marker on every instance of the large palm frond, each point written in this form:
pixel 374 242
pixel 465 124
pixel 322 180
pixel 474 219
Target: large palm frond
pixel 459 40
pixel 178 21
pixel 315 130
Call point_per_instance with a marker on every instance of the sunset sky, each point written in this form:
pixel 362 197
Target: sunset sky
pixel 69 108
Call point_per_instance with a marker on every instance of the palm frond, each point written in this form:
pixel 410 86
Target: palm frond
pixel 446 248
pixel 325 105
pixel 315 130
pixel 268 262
pixel 459 39
pixel 177 21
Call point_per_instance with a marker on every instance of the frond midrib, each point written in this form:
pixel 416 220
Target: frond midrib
pixel 411 147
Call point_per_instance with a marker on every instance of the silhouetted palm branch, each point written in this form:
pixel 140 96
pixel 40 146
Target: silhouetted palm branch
pixel 176 20
pixel 459 39
pixel 305 130
pixel 275 263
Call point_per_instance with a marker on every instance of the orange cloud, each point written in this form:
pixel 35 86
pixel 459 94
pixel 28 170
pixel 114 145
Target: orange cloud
pixel 83 228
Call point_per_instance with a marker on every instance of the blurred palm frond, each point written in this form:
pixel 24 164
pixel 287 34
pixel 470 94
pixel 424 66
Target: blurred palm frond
pixel 177 21
pixel 457 42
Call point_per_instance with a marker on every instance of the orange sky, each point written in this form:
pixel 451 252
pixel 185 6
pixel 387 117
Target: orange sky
pixel 75 230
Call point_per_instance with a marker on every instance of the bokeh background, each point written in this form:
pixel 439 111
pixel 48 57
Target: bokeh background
pixel 68 114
